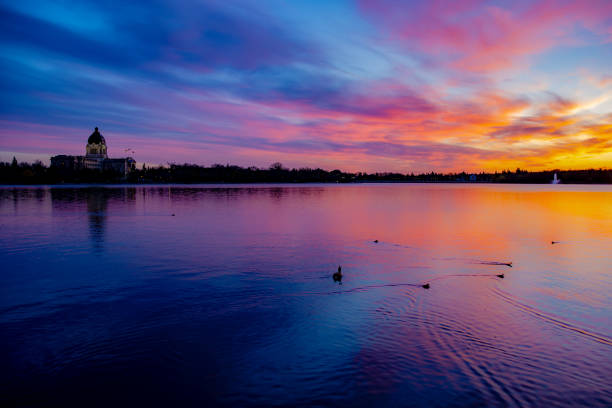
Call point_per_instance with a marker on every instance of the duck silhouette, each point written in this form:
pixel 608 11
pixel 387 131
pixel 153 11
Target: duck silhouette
pixel 501 275
pixel 338 275
pixel 425 286
pixel 376 241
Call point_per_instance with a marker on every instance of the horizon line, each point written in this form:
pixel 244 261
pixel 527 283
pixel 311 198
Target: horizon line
pixel 481 171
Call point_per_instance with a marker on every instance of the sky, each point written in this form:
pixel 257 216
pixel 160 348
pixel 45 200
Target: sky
pixel 368 85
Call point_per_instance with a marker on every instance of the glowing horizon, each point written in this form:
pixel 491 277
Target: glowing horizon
pixel 360 86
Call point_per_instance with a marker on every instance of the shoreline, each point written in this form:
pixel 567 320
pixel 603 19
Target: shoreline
pixel 285 183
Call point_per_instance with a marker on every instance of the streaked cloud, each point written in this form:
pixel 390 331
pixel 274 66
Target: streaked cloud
pixel 405 86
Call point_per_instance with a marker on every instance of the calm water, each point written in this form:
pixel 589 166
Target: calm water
pixel 106 299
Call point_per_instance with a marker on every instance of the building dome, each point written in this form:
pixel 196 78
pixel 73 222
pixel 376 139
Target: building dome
pixel 96 137
pixel 96 146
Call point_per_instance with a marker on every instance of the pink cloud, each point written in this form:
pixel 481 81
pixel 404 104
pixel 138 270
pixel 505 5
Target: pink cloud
pixel 480 37
pixel 393 127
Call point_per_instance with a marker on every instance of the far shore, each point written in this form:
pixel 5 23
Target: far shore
pixel 37 173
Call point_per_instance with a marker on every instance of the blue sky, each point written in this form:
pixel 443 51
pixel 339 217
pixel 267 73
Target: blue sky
pixel 365 85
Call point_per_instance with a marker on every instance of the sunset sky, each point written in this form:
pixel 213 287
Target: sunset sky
pixel 374 85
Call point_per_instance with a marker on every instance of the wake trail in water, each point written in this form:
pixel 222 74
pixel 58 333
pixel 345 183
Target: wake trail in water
pixel 416 285
pixel 362 288
pixel 358 289
pixel 477 275
pixel 393 244
pixel 550 318
pixel 474 261
pixel 388 285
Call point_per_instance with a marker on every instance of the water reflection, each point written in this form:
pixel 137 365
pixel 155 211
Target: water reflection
pixel 97 203
pixel 231 302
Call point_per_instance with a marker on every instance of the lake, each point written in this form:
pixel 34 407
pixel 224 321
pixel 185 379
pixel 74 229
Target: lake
pixel 223 295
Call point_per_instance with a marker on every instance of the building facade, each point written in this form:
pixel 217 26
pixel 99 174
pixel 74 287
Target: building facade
pixel 95 158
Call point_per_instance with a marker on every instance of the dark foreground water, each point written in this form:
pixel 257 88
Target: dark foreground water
pixel 106 299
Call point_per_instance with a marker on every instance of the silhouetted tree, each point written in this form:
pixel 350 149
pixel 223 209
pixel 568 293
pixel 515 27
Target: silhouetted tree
pixel 277 166
pixel 38 173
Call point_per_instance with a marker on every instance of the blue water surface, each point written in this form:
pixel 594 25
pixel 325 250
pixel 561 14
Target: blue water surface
pixel 217 295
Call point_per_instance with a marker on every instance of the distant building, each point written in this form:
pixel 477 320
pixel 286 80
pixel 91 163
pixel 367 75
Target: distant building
pixel 67 162
pixel 555 180
pixel 95 158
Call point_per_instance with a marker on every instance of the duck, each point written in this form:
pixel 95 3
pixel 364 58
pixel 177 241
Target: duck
pixel 501 275
pixel 554 242
pixel 376 241
pixel 425 286
pixel 338 275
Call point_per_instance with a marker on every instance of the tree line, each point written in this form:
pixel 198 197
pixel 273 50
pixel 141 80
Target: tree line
pixel 38 173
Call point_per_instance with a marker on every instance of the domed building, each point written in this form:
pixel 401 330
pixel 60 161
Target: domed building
pixel 95 151
pixel 96 145
pixel 95 158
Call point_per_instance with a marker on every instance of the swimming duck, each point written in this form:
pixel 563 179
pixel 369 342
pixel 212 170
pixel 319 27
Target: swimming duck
pixel 338 275
pixel 425 286
pixel 554 242
pixel 501 275
pixel 376 241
